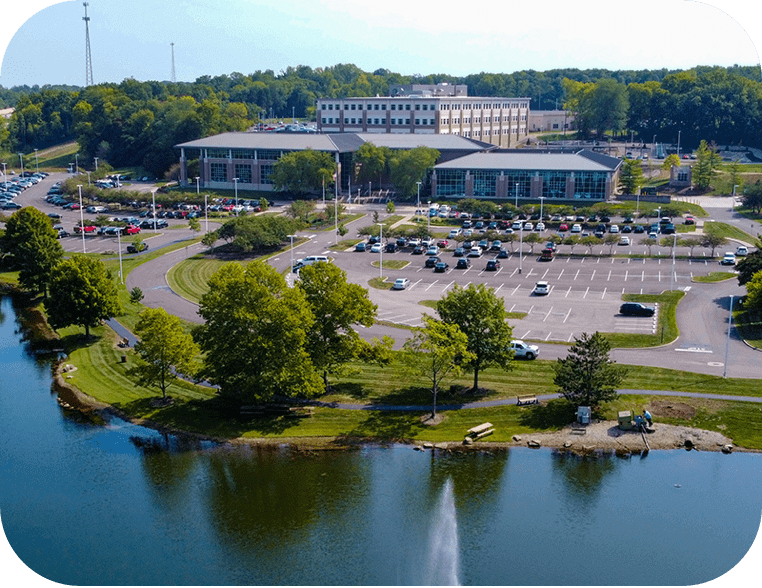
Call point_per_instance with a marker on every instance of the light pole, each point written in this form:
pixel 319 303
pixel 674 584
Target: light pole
pixel 206 212
pixel 21 162
pixel 637 204
pixel 76 161
pixel 428 219
pixel 727 341
pixel 521 246
pixel 381 251
pixel 672 275
pixel 733 205
pixel 678 144
pixel 36 161
pixel 292 259
pixel 5 178
pixel 419 197
pixel 121 268
pixel 541 199
pixel 153 205
pixel 235 181
pixel 96 163
pixel 88 178
pixel 517 196
pixel 198 193
pixel 81 219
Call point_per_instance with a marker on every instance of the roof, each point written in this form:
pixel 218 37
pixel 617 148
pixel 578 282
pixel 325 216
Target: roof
pixel 530 161
pixel 334 142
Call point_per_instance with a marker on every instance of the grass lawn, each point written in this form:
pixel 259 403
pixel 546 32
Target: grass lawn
pixel 58 156
pixel 392 264
pixel 749 325
pixel 715 277
pixel 344 245
pixel 380 283
pixel 729 232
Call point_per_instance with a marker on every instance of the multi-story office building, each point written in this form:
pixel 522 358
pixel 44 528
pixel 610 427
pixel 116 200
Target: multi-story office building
pixel 443 109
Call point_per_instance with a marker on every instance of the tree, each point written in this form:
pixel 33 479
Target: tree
pixel 587 376
pixel 164 350
pixel 669 161
pixel 590 241
pixel 481 315
pixel 263 204
pixel 437 351
pixel 649 242
pixel 136 295
pixel 706 162
pixel 611 240
pixel 336 306
pixel 255 335
pixel 753 299
pixel 301 172
pixel 372 162
pixel 33 243
pixel 713 240
pixel 194 225
pixel 210 238
pixel 301 209
pixel 752 196
pixel 82 292
pixel 390 208
pixel 690 242
pixel 749 266
pixel 407 167
pixel 532 239
pixel 572 241
pixel 631 177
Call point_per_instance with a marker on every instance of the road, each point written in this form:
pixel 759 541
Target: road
pixel 585 291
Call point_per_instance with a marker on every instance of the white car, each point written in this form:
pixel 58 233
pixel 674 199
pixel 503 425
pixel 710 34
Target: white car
pixel 728 259
pixel 540 227
pixel 521 349
pixel 400 284
pixel 516 226
pixel 541 288
pixel 614 229
pixel 528 226
pixel 432 250
pixel 576 228
pixel 454 233
pixel 624 241
pixel 375 248
pixel 475 252
pixel 742 250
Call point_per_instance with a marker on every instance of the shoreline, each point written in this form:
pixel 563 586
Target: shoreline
pixel 599 436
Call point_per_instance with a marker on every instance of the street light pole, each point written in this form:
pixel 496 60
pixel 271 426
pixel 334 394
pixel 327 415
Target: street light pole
pixel 517 195
pixel 292 260
pixel 672 275
pixel 521 246
pixel 381 251
pixel 419 197
pixel 88 178
pixel 76 161
pixel 96 162
pixel 81 219
pixel 5 178
pixel 198 189
pixel 206 212
pixel 21 162
pixel 541 200
pixel 428 219
pixel 121 268
pixel 727 341
pixel 153 205
pixel 235 181
pixel 36 161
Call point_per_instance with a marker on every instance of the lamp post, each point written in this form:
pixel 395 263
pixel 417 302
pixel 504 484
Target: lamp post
pixel 96 162
pixel 121 268
pixel 727 341
pixel 678 144
pixel 517 196
pixel 198 193
pixel 206 213
pixel 521 246
pixel 153 205
pixel 291 271
pixel 672 275
pixel 235 182
pixel 541 199
pixel 381 251
pixel 88 178
pixel 419 197
pixel 76 161
pixel 637 204
pixel 36 161
pixel 5 178
pixel 21 163
pixel 81 219
pixel 428 218
pixel 733 205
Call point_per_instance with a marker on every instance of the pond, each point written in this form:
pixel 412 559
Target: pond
pixel 112 503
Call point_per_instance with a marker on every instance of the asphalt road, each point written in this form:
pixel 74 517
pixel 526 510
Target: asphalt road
pixel 585 292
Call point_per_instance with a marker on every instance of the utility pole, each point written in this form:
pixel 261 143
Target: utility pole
pixel 174 77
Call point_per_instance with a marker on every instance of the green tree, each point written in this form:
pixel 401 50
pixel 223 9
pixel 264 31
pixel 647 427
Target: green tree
pixel 255 335
pixel 136 295
pixel 210 238
pixel 372 162
pixel 336 305
pixel 669 161
pixel 532 239
pixel 690 242
pixel 590 241
pixel 649 242
pixel 407 167
pixel 752 196
pixel 481 315
pixel 587 376
pixel 631 177
pixel 164 350
pixel 753 299
pixel 82 292
pixel 302 172
pixel 611 240
pixel 300 209
pixel 572 241
pixel 33 243
pixel 194 225
pixel 390 208
pixel 712 239
pixel 437 351
pixel 706 163
pixel 749 266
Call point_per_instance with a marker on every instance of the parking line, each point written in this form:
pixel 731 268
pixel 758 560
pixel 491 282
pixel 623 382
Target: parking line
pixel 514 291
pixel 547 315
pixel 448 285
pixel 435 281
pixel 660 273
pixel 568 292
pixel 609 278
pixel 512 307
pixel 496 291
pixel 545 274
pixel 593 276
pixel 526 334
pixel 643 276
pixel 575 275
pixel 586 291
pixel 604 294
pixel 414 285
pixel 567 316
pixel 561 274
pixel 514 272
pixel 626 274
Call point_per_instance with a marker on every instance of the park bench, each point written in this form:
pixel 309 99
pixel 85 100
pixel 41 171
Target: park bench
pixel 480 431
pixel 522 400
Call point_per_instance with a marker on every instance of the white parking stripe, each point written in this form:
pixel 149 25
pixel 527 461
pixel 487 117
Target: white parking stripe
pixel 548 314
pixel 567 315
pixel 604 294
pixel 498 288
pixel 593 276
pixel 575 275
pixel 626 275
pixel 435 281
pixel 586 291
pixel 514 291
pixel 561 274
pixel 568 292
pixel 609 278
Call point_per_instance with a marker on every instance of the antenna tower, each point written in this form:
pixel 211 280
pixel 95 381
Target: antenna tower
pixel 174 79
pixel 88 57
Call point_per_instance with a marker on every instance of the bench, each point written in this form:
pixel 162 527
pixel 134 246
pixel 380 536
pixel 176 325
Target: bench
pixel 522 400
pixel 480 431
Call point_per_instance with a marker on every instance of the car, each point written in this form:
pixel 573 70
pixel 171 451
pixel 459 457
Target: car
pixel 614 229
pixel 54 215
pixel 524 350
pixel 419 250
pixel 432 250
pixel 516 226
pixel 628 219
pixel 468 232
pixel 653 235
pixel 689 220
pixel 492 265
pixel 563 227
pixel 546 255
pixel 502 254
pixel 742 250
pixel 636 309
pixel 443 243
pixel 441 267
pixel 479 226
pixel 665 220
pixel 475 252
pixel 624 241
pixel 668 229
pixel 400 284
pixel 454 233
pixel 463 263
pixel 604 218
pixel 8 205
pixel 360 247
pixel 639 229
pixel 540 227
pixel 466 223
pixel 131 230
pixel 401 242
pixel 541 288
pixel 497 245
pixel 87 229
pixel 551 245
pixel 432 261
pixel 627 229
pixel 576 228
pixel 728 259
pixel 391 247
pixel 467 244
pixel 110 231
pixel 373 240
pixel 484 244
pixel 459 252
pixel 375 248
pixel 131 248
pixel 528 226
pixel 149 224
pixel 61 232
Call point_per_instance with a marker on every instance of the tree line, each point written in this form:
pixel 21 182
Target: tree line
pixel 137 123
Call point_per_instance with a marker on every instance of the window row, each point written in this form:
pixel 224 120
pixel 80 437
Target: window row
pixel 378 121
pixel 379 106
pixel 219 173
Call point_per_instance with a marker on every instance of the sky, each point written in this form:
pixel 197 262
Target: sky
pixel 43 42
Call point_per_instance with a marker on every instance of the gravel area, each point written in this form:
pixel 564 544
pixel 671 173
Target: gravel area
pixel 607 435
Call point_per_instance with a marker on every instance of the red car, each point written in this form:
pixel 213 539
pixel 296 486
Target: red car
pixel 442 243
pixel 88 229
pixel 131 230
pixel 563 227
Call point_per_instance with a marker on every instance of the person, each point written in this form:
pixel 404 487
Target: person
pixel 647 416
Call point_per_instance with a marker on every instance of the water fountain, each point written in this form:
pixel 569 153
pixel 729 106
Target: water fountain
pixel 444 554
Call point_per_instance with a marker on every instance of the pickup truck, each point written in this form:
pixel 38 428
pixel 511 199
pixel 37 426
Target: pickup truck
pixel 524 350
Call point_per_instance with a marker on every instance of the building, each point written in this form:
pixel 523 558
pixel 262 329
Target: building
pixel 442 109
pixel 528 174
pixel 548 121
pixel 245 160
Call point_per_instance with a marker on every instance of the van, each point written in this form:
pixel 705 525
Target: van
pixel 300 263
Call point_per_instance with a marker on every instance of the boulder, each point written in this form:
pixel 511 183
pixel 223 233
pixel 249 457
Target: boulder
pixel 516 438
pixel 533 443
pixel 468 441
pixel 727 448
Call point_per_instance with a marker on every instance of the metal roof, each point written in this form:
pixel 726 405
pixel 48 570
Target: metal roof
pixel 334 142
pixel 518 160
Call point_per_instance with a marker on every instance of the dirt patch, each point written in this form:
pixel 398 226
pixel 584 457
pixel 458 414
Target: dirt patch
pixel 429 420
pixel 671 409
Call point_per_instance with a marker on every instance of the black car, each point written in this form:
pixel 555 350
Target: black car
pixel 459 252
pixel 502 254
pixel 360 246
pixel 636 309
pixel 627 229
pixel 638 229
pixel 402 242
pixel 441 267
pixel 132 249
pixel 492 265
pixel 432 261
pixel 391 247
pixel 419 250
pixel 463 263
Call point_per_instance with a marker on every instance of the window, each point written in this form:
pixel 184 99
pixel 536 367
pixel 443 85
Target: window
pixel 359 107
pixel 418 121
pixel 243 173
pixel 352 106
pixel 323 120
pixel 417 106
pixel 268 154
pixel 219 172
pixel 407 107
pixel 394 107
pixel 217 153
pixel 242 154
pixel 265 171
pixel 682 176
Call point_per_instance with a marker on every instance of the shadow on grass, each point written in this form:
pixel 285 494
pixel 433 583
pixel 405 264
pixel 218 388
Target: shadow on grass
pixel 390 426
pixel 553 415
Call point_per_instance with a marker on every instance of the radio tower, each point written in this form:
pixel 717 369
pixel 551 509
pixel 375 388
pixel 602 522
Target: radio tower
pixel 174 79
pixel 88 57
